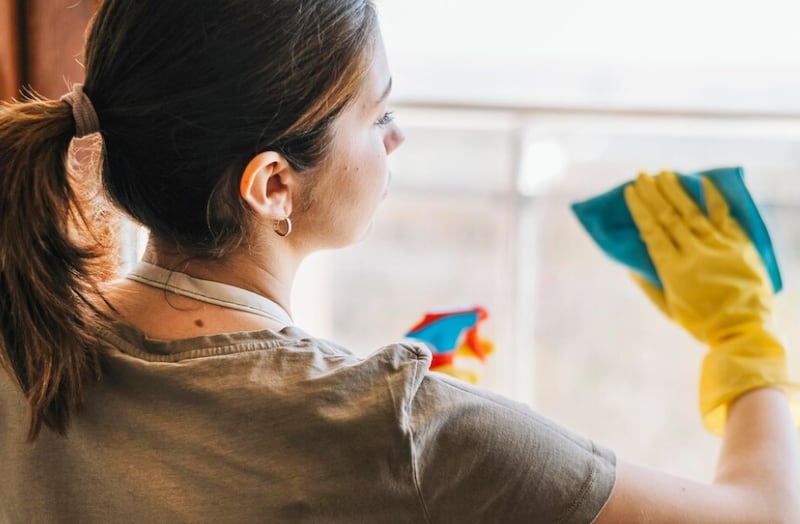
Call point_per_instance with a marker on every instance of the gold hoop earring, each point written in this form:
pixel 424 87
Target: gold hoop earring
pixel 281 232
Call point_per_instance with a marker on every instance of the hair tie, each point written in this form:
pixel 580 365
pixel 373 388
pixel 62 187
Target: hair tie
pixel 83 112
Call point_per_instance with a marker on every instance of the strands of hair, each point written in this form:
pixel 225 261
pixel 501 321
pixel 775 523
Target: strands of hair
pixel 47 311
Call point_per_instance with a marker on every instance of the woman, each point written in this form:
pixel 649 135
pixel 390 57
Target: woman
pixel 245 134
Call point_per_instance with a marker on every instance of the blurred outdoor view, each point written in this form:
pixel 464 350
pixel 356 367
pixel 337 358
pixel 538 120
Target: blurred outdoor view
pixel 515 109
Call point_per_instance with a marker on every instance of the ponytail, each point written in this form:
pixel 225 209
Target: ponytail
pixel 48 301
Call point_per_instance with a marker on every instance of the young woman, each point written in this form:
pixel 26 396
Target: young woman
pixel 246 134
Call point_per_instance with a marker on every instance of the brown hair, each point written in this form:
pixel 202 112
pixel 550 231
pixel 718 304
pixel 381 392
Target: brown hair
pixel 186 94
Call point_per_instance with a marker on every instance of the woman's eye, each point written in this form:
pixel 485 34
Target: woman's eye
pixel 386 118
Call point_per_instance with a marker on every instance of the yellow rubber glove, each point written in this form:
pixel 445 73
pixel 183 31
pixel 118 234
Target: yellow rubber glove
pixel 715 286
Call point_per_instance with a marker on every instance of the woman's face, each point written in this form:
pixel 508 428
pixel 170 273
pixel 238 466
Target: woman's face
pixel 351 185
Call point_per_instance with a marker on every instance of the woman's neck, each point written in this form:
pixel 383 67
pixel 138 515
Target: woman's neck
pixel 269 275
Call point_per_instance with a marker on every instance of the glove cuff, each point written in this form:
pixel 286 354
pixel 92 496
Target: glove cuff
pixel 739 364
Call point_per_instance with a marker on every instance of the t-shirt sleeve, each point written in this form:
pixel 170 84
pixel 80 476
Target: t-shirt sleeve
pixel 479 457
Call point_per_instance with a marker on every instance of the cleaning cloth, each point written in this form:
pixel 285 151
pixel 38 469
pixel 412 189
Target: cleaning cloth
pixel 610 224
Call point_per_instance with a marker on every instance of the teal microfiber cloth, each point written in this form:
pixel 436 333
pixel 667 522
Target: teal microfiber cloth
pixel 608 221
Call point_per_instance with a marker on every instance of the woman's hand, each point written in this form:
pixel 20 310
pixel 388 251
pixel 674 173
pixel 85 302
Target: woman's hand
pixel 717 288
pixel 715 284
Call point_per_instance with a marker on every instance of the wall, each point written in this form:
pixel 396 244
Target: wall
pixel 41 44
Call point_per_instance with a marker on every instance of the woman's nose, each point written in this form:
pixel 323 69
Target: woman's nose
pixel 394 138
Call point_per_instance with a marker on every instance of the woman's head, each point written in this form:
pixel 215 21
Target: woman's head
pixel 198 103
pixel 189 92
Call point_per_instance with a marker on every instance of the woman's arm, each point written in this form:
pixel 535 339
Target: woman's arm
pixel 757 480
pixel 715 286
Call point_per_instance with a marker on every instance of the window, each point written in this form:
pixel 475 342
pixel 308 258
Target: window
pixel 479 213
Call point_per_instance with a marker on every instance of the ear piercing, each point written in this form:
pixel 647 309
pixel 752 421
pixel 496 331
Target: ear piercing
pixel 282 229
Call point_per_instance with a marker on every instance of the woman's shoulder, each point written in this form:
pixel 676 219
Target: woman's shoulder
pixel 130 340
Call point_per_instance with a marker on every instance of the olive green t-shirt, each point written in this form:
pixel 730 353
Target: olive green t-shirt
pixel 284 427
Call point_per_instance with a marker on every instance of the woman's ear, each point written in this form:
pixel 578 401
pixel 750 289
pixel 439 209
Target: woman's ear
pixel 266 185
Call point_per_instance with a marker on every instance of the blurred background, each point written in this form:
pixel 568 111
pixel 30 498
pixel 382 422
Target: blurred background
pixel 512 111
